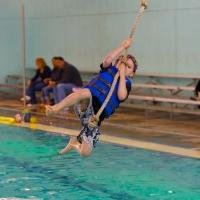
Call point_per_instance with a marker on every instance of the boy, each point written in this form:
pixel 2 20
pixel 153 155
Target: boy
pixel 96 91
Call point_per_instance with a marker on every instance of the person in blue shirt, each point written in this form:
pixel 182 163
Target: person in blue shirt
pixel 94 94
pixel 39 81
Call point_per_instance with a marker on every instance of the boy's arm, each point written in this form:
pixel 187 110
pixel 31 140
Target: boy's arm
pixel 116 52
pixel 122 90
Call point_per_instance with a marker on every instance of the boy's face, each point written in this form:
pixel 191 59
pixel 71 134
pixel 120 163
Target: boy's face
pixel 130 68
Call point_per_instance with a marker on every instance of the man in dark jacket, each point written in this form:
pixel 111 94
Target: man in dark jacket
pixel 51 87
pixel 70 78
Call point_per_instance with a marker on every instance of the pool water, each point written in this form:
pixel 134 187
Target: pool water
pixel 30 168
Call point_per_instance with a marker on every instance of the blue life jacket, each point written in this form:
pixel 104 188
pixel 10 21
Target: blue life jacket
pixel 100 86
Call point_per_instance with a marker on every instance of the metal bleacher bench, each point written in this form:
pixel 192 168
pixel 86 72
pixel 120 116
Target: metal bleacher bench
pixel 12 82
pixel 166 87
pixel 149 102
pixel 164 99
pixel 172 99
pixel 185 76
pixel 154 83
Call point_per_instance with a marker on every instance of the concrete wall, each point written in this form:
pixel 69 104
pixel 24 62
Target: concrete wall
pixel 9 38
pixel 83 31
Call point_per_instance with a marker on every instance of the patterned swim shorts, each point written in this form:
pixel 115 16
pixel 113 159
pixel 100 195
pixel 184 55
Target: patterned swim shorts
pixel 89 135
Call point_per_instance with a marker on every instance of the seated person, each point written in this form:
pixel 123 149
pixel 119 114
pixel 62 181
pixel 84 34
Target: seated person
pixel 197 91
pixel 70 78
pixel 50 88
pixel 40 80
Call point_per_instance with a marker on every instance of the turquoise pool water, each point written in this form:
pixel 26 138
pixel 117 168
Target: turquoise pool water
pixel 31 169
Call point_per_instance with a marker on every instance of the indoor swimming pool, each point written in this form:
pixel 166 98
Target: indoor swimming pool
pixel 30 168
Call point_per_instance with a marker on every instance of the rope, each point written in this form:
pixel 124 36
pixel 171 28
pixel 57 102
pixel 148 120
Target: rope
pixel 93 121
pixel 143 7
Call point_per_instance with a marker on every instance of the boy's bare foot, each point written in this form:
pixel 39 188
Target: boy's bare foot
pixel 49 110
pixel 72 143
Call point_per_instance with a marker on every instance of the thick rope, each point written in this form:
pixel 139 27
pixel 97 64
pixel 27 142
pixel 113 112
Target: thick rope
pixel 93 121
pixel 143 7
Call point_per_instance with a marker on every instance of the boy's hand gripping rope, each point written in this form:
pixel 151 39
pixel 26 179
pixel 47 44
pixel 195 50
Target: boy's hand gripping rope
pixel 93 121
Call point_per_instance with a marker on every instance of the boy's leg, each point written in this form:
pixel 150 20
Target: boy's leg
pixel 70 145
pixel 85 141
pixel 82 148
pixel 70 100
pixel 85 149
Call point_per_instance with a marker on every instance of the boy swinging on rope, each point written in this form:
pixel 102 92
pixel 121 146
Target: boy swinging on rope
pixel 105 92
pixel 96 92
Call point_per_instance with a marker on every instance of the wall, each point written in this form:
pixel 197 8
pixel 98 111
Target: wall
pixel 83 31
pixel 9 38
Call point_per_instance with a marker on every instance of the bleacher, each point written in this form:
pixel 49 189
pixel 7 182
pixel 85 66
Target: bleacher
pixel 150 92
pixel 160 92
pixel 13 84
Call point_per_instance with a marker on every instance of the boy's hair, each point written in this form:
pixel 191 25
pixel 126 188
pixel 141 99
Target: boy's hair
pixel 129 56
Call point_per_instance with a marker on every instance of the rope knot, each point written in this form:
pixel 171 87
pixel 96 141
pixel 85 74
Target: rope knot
pixel 93 122
pixel 144 4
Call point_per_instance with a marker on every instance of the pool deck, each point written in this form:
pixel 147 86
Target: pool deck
pixel 179 135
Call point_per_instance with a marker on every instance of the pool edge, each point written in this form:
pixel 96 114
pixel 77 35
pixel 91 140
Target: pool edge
pixel 115 140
